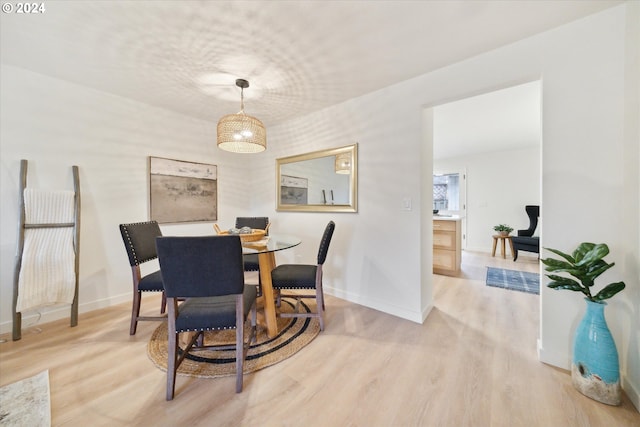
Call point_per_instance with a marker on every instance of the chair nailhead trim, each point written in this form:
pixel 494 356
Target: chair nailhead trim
pixel 133 251
pixel 207 329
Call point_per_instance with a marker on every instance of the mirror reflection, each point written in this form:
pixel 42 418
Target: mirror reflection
pixel 321 181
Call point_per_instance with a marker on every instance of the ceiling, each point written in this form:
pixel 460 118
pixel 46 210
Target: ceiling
pixel 299 56
pixel 506 119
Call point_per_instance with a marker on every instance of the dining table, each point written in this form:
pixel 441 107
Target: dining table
pixel 266 249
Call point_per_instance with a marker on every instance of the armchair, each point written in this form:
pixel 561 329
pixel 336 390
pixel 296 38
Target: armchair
pixel 525 240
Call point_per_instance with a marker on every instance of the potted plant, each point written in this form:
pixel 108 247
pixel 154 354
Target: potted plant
pixel 595 371
pixel 503 229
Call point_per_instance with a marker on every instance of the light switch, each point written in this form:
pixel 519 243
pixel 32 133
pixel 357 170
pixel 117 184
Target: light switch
pixel 406 204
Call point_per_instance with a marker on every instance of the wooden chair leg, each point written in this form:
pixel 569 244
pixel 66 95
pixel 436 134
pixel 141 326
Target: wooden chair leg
pixel 163 307
pixel 172 350
pixel 254 325
pixel 320 306
pixel 135 312
pixel 239 342
pixel 321 293
pixel 259 294
pixel 171 365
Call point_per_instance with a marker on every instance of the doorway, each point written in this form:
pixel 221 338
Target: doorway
pixel 494 140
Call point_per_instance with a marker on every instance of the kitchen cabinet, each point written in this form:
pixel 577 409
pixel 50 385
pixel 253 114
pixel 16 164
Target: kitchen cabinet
pixel 447 246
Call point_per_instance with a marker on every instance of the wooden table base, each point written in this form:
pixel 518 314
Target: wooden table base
pixel 267 262
pixel 502 245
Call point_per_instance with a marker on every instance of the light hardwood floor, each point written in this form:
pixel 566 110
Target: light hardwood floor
pixel 472 363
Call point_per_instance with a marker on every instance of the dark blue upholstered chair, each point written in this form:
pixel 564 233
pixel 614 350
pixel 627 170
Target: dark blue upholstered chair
pixel 259 223
pixel 207 272
pixel 302 276
pixel 140 242
pixel 525 240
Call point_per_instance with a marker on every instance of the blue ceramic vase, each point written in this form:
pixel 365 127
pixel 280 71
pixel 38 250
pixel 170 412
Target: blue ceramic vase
pixel 595 371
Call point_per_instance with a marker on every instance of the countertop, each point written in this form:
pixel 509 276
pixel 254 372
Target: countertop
pixel 447 218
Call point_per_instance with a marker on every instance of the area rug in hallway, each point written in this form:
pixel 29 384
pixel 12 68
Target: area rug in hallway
pixel 522 281
pixel 26 402
pixel 294 334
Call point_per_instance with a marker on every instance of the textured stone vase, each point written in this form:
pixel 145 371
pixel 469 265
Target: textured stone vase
pixel 595 371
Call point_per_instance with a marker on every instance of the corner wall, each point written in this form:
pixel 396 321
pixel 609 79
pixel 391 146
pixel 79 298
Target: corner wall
pixel 587 105
pixel 54 125
pixel 631 206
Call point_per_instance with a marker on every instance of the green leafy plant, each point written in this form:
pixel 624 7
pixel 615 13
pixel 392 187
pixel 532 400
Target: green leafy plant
pixel 503 227
pixel 585 264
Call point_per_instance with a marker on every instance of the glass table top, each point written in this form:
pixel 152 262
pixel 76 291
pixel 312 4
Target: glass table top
pixel 272 243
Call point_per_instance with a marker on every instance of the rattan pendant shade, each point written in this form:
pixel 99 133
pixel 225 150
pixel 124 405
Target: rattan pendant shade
pixel 343 163
pixel 240 132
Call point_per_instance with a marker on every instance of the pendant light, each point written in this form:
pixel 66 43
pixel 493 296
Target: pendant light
pixel 241 133
pixel 343 163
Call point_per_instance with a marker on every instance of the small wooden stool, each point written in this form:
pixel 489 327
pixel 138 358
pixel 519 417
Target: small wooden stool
pixel 502 239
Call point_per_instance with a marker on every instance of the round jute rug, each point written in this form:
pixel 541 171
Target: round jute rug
pixel 294 334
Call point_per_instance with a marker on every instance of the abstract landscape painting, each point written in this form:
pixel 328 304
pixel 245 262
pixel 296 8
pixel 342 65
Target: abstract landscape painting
pixel 182 191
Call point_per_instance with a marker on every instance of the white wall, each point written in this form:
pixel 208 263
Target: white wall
pixel 585 112
pixel 588 102
pixel 590 131
pixel 499 185
pixel 54 125
pixel 385 276
pixel 628 314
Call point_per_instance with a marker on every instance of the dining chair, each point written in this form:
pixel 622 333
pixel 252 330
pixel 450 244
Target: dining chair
pixel 140 242
pixel 257 222
pixel 206 272
pixel 304 277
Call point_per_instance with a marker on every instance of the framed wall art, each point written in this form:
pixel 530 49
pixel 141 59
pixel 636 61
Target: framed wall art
pixel 181 191
pixel 293 190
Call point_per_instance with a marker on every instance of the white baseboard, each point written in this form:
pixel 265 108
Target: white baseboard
pixel 478 249
pixel 50 314
pixel 633 392
pixel 426 312
pixel 521 254
pixel 559 360
pixel 414 316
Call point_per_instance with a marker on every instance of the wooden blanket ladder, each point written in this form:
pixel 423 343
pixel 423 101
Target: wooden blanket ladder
pixel 17 316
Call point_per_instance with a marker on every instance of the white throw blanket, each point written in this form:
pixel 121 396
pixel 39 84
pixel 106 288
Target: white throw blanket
pixel 47 273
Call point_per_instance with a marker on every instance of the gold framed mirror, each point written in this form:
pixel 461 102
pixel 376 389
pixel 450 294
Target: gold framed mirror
pixel 321 181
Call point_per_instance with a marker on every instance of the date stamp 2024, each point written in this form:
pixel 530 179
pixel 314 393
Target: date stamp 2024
pixel 23 8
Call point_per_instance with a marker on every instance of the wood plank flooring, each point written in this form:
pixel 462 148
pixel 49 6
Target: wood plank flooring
pixel 472 363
